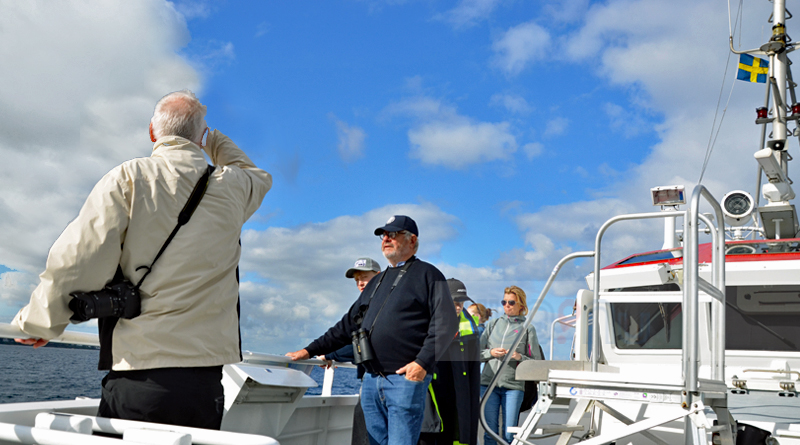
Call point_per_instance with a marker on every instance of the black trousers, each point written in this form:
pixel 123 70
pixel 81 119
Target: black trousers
pixel 177 396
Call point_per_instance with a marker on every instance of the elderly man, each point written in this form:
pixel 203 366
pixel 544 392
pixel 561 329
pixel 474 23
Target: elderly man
pixel 167 362
pixel 410 321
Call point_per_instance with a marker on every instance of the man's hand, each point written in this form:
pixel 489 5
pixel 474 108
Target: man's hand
pixel 328 363
pixel 413 372
pixel 36 342
pixel 299 355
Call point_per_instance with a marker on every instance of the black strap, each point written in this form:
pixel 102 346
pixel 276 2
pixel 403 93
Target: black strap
pixel 183 217
pixel 397 280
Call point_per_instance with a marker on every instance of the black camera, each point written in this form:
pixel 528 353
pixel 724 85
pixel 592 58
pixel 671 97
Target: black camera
pixel 117 299
pixel 362 349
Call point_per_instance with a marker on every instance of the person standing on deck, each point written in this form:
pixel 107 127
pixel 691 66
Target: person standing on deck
pixel 499 335
pixel 453 418
pixel 410 319
pixel 362 271
pixel 166 363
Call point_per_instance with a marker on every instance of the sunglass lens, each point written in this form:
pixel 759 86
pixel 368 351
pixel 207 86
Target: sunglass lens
pixel 510 303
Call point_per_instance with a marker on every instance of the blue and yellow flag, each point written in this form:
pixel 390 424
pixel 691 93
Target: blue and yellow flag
pixel 752 69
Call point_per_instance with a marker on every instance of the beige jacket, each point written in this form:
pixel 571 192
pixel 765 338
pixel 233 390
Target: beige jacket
pixel 189 300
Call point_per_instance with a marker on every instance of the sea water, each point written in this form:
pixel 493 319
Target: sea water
pixel 28 375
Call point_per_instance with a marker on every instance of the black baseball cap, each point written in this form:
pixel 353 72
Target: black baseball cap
pixel 457 290
pixel 398 223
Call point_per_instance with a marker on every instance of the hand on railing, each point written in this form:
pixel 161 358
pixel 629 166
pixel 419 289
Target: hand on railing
pixel 36 342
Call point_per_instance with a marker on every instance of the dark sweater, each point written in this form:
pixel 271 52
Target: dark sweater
pixel 417 323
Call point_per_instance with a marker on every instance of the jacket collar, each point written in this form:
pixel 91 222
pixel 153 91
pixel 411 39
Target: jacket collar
pixel 515 318
pixel 172 143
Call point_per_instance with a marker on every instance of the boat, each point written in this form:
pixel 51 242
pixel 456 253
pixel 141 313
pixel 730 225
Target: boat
pixel 265 404
pixel 694 343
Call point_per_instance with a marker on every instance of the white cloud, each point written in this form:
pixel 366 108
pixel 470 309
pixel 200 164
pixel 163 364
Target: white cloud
pixel 351 139
pixel 648 57
pixel 533 149
pixel 556 126
pixel 441 136
pixel 294 286
pixel 469 12
pixel 511 102
pixel 262 29
pixel 459 144
pixel 566 11
pixel 16 287
pixel 519 46
pixel 79 105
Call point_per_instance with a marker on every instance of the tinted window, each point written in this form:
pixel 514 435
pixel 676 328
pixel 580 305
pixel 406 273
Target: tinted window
pixel 647 325
pixel 762 318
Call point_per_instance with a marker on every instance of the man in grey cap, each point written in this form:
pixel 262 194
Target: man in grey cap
pixel 362 271
pixel 408 319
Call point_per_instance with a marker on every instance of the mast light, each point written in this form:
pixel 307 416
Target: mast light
pixel 670 195
pixel 796 108
pixel 761 112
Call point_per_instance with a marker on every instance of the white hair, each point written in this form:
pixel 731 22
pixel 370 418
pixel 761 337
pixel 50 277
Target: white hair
pixel 408 236
pixel 179 114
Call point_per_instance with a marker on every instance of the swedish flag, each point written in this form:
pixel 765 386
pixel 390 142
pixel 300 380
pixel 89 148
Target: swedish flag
pixel 752 69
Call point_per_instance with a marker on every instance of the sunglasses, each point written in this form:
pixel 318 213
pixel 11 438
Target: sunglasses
pixel 510 303
pixel 391 235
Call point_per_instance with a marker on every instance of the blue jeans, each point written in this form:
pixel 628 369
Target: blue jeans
pixel 511 400
pixel 393 408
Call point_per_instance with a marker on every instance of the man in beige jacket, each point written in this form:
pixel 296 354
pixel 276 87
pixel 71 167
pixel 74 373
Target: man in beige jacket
pixel 167 362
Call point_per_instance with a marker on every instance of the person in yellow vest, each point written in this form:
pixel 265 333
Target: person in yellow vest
pixel 451 414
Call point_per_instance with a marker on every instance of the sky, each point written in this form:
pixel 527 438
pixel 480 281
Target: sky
pixel 509 130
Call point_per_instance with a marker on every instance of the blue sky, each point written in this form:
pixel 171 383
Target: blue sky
pixel 509 129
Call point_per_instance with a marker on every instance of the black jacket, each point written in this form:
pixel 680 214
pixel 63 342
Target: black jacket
pixel 415 322
pixel 456 386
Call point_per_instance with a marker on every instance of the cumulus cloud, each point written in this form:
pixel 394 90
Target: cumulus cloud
pixel 456 144
pixel 468 13
pixel 520 46
pixel 441 136
pixel 16 287
pixel 646 57
pixel 556 126
pixel 77 108
pixel 294 286
pixel 262 29
pixel 513 103
pixel 566 11
pixel 533 149
pixel 351 139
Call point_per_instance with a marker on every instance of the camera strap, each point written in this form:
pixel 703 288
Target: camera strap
pixel 396 280
pixel 183 217
pixel 106 325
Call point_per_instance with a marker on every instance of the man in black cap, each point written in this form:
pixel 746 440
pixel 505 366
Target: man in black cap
pixel 409 320
pixel 453 419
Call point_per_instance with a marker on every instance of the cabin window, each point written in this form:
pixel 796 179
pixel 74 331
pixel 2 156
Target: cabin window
pixel 762 318
pixel 647 325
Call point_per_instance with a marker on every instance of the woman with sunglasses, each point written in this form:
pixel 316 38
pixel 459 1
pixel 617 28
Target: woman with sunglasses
pixel 496 340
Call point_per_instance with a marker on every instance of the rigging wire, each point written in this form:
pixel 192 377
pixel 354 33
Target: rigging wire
pixel 712 138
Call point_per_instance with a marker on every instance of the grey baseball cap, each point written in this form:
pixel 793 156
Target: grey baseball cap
pixel 363 264
pixel 457 290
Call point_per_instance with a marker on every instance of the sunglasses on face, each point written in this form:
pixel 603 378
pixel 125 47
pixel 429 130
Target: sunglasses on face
pixel 507 302
pixel 391 235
